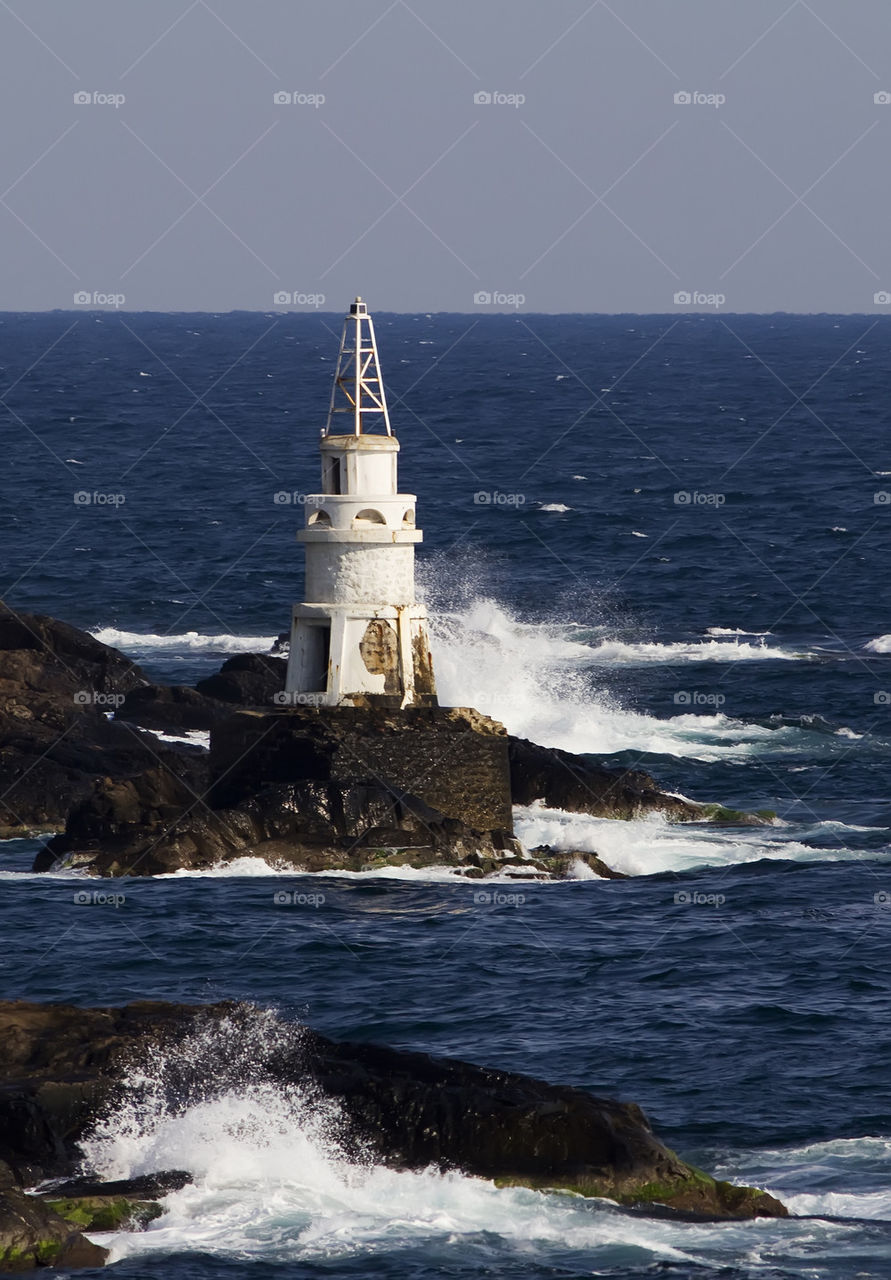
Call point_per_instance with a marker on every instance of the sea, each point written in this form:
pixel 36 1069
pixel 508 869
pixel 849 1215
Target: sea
pixel 660 541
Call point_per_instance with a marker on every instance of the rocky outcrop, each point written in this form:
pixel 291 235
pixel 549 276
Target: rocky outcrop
pixel 33 1234
pixel 65 1066
pixel 319 790
pixel 57 688
pixel 315 788
pixel 561 780
pixel 247 680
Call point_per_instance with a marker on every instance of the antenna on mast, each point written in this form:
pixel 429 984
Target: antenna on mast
pixel 358 388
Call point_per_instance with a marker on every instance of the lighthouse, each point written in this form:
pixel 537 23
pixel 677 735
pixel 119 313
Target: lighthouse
pixel 360 637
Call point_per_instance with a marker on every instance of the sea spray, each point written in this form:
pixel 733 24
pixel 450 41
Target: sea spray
pixel 275 1182
pixel 172 1099
pixel 544 680
pixel 277 1176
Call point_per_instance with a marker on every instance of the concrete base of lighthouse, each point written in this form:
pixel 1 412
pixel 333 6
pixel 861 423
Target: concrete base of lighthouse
pixel 362 657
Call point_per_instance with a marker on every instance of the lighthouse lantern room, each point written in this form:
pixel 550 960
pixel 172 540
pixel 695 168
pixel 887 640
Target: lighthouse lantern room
pixel 359 638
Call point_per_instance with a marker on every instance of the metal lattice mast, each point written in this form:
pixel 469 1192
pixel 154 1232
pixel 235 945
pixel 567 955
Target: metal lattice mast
pixel 358 387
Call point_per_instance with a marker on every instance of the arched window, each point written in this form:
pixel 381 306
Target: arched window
pixel 320 517
pixel 368 516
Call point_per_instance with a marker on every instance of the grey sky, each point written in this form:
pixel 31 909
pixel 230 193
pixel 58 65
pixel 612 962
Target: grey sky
pixel 597 193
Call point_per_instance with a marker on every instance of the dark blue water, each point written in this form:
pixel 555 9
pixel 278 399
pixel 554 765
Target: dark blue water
pixel 731 643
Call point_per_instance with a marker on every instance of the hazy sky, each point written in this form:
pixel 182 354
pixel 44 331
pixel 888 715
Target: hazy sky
pixel 581 186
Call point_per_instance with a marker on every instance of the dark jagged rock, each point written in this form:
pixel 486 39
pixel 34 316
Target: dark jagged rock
pixel 247 680
pixel 340 788
pixel 56 685
pixel 562 780
pixel 316 788
pixel 453 758
pixel 33 1234
pixel 406 1110
pixel 148 1186
pixel 171 708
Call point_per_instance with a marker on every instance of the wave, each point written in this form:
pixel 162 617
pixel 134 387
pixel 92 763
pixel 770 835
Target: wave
pixel 254 867
pixel 278 1179
pixel 648 846
pixel 714 650
pixel 188 642
pixel 838 1178
pixel 539 680
pixel 734 631
pixel 273 1179
pixel 882 644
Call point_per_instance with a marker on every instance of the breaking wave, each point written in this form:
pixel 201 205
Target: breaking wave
pixel 190 642
pixel 540 681
pixel 276 1179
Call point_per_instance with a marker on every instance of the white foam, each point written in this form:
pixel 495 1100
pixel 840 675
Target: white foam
pixel 191 737
pixel 554 506
pixel 249 867
pixel 840 1204
pixel 272 1180
pixel 647 846
pixel 540 681
pixel 733 631
pixel 816 1179
pixel 640 653
pixel 254 867
pixel 882 644
pixel 186 642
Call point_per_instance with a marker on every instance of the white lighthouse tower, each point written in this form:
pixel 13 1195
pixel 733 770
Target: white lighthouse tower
pixel 360 638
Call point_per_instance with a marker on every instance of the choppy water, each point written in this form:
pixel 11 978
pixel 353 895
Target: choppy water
pixel 736 987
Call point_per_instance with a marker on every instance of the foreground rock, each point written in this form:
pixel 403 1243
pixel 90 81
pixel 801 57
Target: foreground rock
pixel 33 1235
pixel 62 1067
